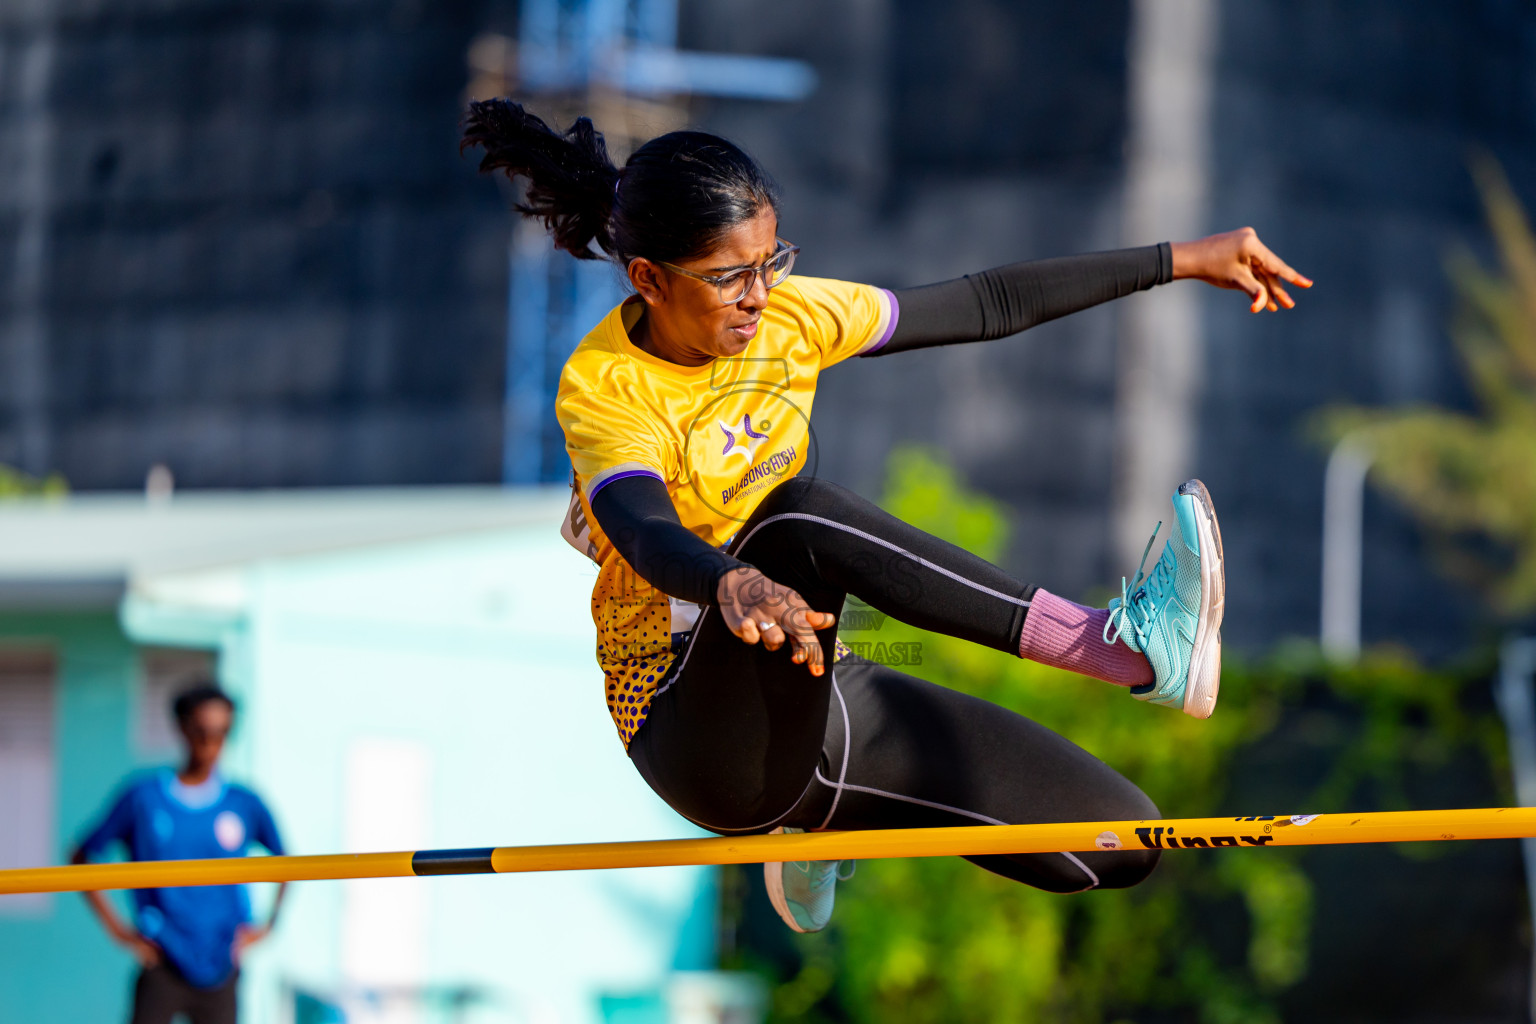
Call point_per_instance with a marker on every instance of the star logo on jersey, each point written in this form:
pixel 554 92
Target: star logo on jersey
pixel 741 439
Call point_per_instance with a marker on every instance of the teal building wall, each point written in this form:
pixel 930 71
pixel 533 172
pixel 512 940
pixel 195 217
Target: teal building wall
pixel 56 964
pixel 447 688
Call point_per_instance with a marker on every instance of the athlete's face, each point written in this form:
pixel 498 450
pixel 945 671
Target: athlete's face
pixel 205 730
pixel 686 322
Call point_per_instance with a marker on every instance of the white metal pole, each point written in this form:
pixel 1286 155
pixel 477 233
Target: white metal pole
pixel 1160 362
pixel 1343 547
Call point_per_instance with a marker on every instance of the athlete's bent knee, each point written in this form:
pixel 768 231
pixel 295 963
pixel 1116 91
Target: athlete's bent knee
pixel 807 494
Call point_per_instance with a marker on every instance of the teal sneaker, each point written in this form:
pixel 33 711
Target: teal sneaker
pixel 802 891
pixel 1173 616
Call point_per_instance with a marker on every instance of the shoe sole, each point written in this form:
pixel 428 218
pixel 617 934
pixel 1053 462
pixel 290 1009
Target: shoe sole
pixel 773 879
pixel 1204 679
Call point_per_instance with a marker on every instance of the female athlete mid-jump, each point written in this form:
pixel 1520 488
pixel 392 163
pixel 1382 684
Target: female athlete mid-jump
pixel 721 574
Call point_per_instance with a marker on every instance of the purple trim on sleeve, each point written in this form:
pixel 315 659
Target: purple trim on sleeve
pixel 592 495
pixel 890 328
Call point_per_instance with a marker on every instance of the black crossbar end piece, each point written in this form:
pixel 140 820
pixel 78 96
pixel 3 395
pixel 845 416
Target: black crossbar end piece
pixel 452 862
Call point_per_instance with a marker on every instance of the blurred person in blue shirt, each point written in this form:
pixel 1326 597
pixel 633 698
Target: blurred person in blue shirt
pixel 188 940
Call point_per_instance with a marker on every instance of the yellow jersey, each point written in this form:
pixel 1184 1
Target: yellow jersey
pixel 718 436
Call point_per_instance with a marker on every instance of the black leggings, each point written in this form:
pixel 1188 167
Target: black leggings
pixel 739 739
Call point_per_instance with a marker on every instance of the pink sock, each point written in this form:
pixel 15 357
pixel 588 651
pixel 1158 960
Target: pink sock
pixel 1062 634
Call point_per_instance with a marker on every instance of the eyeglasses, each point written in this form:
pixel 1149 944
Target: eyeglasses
pixel 733 285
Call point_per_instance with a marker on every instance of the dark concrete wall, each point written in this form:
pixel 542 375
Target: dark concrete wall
pixel 265 263
pixel 1342 133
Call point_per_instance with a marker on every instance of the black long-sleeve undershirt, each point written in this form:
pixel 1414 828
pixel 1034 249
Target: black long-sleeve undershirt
pixel 1007 300
pixel 639 518
pixel 637 514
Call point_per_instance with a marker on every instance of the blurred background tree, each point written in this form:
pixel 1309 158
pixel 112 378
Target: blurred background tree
pixel 16 484
pixel 1470 477
pixel 1216 936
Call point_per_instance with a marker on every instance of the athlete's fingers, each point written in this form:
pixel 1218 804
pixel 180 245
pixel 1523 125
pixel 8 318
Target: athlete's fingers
pixel 1258 258
pixel 772 633
pixel 802 623
pixel 805 654
pixel 821 620
pixel 1269 292
pixel 1277 290
pixel 808 653
pixel 1258 295
pixel 750 602
pixel 801 631
pixel 775 615
pixel 817 660
pixel 1277 267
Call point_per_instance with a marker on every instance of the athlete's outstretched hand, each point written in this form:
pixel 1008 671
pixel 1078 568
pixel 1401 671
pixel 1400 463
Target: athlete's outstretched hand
pixel 756 608
pixel 1238 260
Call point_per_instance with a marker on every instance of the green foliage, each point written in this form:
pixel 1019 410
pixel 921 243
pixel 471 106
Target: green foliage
pixel 939 940
pixel 16 484
pixel 1472 478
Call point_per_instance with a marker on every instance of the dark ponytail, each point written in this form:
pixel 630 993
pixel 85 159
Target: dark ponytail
pixel 675 199
pixel 570 178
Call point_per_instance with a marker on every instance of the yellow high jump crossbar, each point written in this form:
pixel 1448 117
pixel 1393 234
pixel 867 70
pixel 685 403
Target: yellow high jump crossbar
pixel 969 840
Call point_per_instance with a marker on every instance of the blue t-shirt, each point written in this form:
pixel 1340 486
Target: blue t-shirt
pixel 157 817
